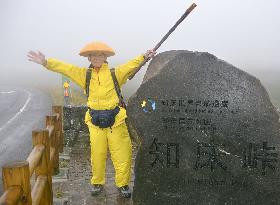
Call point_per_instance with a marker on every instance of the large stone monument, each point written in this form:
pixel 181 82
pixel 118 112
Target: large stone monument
pixel 208 131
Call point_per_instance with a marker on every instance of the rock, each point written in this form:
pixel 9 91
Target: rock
pixel 70 137
pixel 73 123
pixel 208 134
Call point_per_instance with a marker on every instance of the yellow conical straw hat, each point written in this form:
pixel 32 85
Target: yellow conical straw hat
pixel 97 47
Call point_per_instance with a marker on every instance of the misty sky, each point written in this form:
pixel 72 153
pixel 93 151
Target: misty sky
pixel 244 33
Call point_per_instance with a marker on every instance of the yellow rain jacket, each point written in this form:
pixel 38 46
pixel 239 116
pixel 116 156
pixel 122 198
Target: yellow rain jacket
pixel 102 94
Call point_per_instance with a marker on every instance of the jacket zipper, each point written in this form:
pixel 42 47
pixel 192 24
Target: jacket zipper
pixel 98 89
pixel 98 79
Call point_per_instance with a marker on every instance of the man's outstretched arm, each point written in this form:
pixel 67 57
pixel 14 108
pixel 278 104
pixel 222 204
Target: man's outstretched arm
pixel 125 70
pixel 75 73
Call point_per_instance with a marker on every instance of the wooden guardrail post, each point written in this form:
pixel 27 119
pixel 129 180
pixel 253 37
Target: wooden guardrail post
pixel 51 121
pixel 43 160
pixel 44 168
pixel 11 196
pixel 16 174
pixel 59 111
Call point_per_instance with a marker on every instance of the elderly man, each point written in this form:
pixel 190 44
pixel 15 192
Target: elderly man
pixel 105 117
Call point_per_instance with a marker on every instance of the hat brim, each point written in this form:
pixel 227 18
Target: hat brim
pixel 87 53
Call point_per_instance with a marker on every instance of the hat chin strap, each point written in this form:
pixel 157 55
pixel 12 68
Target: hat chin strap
pixel 91 66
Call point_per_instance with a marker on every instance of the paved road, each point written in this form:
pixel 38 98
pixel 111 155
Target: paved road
pixel 21 111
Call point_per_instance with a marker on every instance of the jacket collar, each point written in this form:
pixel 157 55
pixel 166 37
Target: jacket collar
pixel 103 67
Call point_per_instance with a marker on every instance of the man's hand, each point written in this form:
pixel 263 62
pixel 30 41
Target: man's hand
pixel 37 57
pixel 150 53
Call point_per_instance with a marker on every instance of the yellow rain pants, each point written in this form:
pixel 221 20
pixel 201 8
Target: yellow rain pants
pixel 102 96
pixel 120 148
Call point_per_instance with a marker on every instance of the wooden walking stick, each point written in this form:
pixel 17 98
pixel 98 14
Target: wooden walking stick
pixel 188 11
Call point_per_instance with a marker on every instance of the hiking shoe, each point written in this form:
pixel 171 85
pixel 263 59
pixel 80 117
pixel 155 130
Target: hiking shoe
pixel 124 191
pixel 96 189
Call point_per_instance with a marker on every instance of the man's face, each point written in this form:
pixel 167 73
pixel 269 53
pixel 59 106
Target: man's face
pixel 97 59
